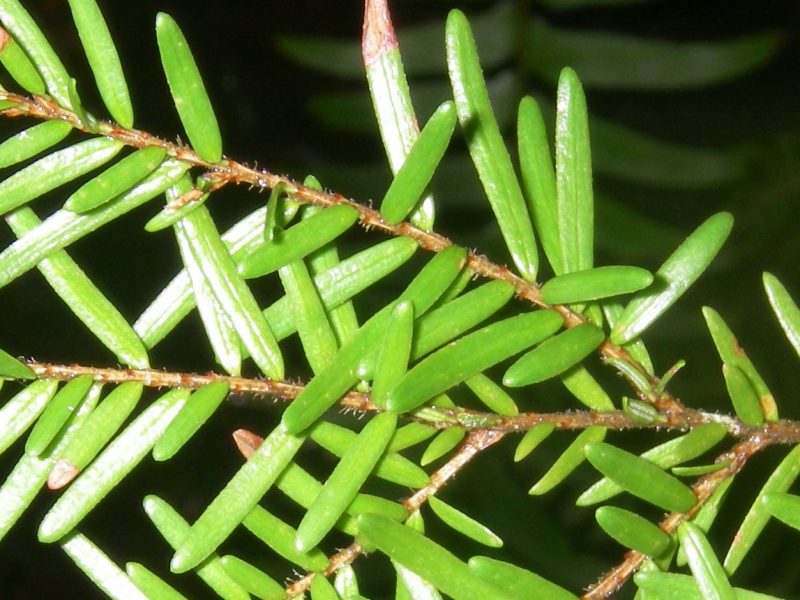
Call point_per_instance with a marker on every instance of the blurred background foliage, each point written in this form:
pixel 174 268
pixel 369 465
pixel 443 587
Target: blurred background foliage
pixel 694 110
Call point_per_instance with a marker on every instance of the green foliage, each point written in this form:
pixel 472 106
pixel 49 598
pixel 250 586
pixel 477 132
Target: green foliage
pixel 432 371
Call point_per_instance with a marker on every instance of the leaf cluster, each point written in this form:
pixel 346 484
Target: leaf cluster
pixel 432 371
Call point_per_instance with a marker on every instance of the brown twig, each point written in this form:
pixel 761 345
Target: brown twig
pixel 784 431
pixel 476 442
pixel 278 390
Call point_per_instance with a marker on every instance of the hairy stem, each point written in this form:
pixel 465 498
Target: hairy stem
pixel 784 431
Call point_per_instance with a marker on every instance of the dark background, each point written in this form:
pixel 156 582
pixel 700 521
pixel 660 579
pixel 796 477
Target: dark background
pixel 262 99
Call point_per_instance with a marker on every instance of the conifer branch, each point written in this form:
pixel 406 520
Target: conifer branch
pixel 230 171
pixel 753 428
